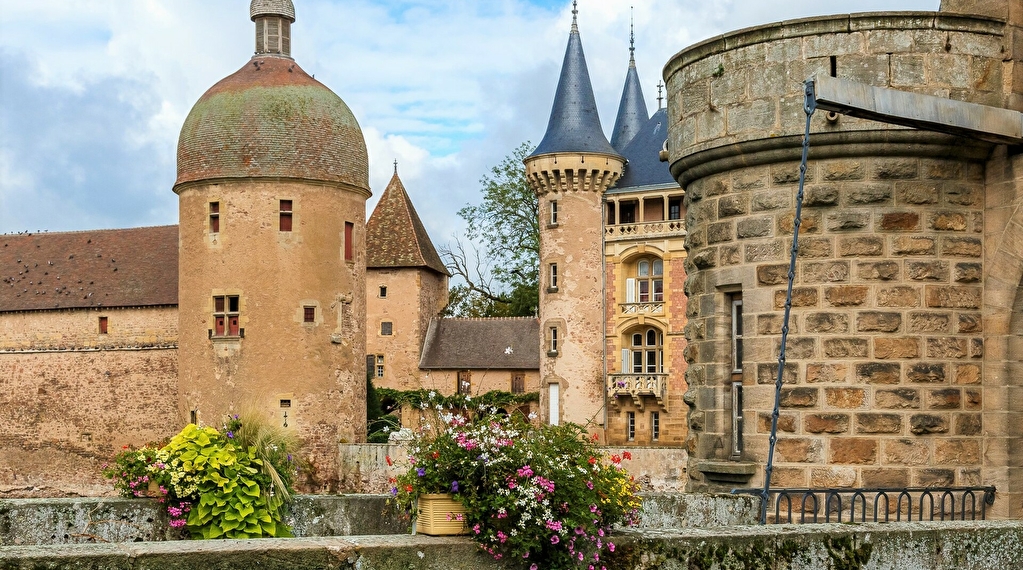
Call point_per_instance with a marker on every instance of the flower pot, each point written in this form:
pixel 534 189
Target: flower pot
pixel 440 515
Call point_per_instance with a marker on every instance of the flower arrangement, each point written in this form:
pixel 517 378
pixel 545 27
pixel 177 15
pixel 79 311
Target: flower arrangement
pixel 543 495
pixel 229 483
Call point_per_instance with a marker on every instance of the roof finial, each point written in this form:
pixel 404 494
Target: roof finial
pixel 575 23
pixel 396 160
pixel 632 39
pixel 660 84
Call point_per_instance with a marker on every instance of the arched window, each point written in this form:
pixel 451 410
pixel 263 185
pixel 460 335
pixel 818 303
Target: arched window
pixel 648 284
pixel 643 352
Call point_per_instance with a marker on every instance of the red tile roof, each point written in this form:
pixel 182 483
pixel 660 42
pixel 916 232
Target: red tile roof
pixel 109 268
pixel 395 237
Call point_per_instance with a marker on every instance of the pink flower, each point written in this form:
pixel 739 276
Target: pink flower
pixel 611 546
pixel 533 567
pixel 555 539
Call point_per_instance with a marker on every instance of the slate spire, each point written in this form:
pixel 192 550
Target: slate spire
pixel 574 125
pixel 632 113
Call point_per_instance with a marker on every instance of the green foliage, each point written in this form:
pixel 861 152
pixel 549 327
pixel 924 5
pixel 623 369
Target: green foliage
pixel 506 223
pixel 430 399
pixel 541 495
pixel 378 424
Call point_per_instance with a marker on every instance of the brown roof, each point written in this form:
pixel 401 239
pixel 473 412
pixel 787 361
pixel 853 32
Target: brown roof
pixel 395 237
pixel 109 268
pixel 499 343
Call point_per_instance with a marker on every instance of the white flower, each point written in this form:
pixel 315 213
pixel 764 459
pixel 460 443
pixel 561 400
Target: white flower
pixel 508 350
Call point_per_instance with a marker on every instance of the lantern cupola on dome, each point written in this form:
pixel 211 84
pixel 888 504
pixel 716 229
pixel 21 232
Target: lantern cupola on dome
pixel 273 20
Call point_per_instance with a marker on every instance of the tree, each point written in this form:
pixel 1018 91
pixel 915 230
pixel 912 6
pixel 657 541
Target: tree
pixel 502 274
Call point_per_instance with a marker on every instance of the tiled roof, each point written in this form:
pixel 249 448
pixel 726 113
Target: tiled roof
pixel 574 125
pixel 498 343
pixel 272 8
pixel 109 268
pixel 644 166
pixel 632 113
pixel 271 119
pixel 395 237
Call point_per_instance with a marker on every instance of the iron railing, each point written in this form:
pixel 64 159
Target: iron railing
pixel 884 504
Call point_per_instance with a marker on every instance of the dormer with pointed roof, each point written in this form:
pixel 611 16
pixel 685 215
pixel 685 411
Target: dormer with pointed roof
pixel 395 236
pixel 632 112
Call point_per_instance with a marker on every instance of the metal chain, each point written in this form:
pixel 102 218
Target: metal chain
pixel 809 106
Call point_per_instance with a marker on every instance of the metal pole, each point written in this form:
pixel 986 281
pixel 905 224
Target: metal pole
pixel 809 106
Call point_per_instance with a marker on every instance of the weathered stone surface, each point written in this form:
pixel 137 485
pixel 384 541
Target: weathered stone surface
pixel 826 423
pixel 968 424
pixel 846 398
pixel 799 450
pixel 801 297
pixel 879 372
pixel 786 422
pixel 810 223
pixel 935 477
pixel 944 399
pixel 820 196
pixel 860 246
pixel 948 221
pixel 847 221
pixel 721 231
pixel 968 272
pixel 832 476
pixel 775 274
pixel 946 347
pixel 885 477
pixel 733 205
pixel 910 245
pixel 927 270
pixel 864 194
pixel 815 247
pixel 899 221
pixel 953 297
pixel 967 374
pixel 897 398
pixel 905 452
pixel 962 246
pixel 957 451
pixel 826 372
pixel 930 322
pixel 920 424
pixel 770 200
pixel 845 347
pixel 853 450
pixel 827 322
pixel 925 372
pixel 878 423
pixel 826 272
pixel 916 193
pixel 885 347
pixel 876 321
pixel 799 397
pixel 770 251
pixel 898 296
pixel 842 170
pixel 877 270
pixel 895 168
pixel 846 296
pixel 767 373
pixel 754 227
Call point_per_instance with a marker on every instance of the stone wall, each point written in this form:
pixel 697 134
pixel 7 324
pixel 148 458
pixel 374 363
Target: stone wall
pixel 885 373
pixel 70 397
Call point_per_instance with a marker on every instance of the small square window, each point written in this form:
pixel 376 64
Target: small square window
pixel 385 328
pixel 102 325
pixel 309 314
pixel 286 213
pixel 518 383
pixel 383 292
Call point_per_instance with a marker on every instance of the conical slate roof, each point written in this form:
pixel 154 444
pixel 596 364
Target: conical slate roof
pixel 632 111
pixel 574 125
pixel 644 166
pixel 395 236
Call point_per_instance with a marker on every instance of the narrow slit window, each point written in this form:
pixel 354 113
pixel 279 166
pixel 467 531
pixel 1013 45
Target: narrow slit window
pixel 630 426
pixel 655 426
pixel 309 314
pixel 737 420
pixel 554 339
pixel 102 325
pixel 214 217
pixel 553 270
pixel 349 236
pixel 554 212
pixel 465 382
pixel 736 302
pixel 286 214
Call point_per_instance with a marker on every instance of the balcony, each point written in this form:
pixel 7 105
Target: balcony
pixel 636 386
pixel 656 308
pixel 642 230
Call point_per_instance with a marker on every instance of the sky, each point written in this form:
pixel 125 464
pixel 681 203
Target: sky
pixel 93 92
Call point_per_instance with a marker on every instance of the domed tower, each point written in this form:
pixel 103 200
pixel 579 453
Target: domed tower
pixel 569 171
pixel 272 186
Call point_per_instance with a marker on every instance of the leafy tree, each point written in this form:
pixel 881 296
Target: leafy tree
pixel 501 277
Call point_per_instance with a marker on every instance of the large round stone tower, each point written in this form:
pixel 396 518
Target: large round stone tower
pixel 272 186
pixel 570 171
pixel 897 371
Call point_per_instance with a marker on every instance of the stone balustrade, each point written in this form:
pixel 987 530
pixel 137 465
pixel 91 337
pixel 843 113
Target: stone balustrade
pixel 636 386
pixel 660 228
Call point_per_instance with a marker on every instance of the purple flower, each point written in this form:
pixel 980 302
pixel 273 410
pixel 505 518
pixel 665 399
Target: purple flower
pixel 454 486
pixel 230 435
pixel 421 472
pixel 394 491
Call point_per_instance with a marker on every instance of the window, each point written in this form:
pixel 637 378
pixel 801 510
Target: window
pixel 225 315
pixel 102 325
pixel 371 361
pixel 553 277
pixel 646 352
pixel 655 426
pixel 349 233
pixel 630 426
pixel 648 284
pixel 735 300
pixel 383 292
pixel 193 416
pixel 737 420
pixel 674 208
pixel 214 217
pixel 386 328
pixel 465 382
pixel 380 366
pixel 286 215
pixel 518 383
pixel 554 212
pixel 553 350
pixel 309 314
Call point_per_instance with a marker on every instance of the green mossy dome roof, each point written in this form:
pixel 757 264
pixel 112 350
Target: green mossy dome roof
pixel 271 119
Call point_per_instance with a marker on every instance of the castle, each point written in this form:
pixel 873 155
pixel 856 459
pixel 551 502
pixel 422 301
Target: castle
pixel 663 263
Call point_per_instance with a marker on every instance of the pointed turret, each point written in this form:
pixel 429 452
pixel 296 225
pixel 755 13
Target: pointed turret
pixel 574 125
pixel 632 113
pixel 395 236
